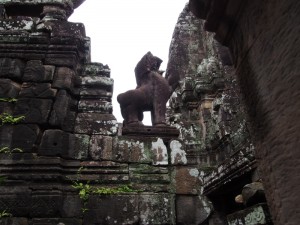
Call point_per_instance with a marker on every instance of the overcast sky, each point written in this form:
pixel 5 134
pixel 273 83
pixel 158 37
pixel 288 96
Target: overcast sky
pixel 122 32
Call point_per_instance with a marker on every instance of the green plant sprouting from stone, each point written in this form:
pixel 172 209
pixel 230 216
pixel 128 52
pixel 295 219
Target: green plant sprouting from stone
pixel 10 100
pixel 7 150
pixel 6 118
pixel 2 179
pixel 85 190
pixel 4 213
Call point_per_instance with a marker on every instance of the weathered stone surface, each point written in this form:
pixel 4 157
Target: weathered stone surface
pixel 34 110
pixel 270 99
pixel 81 147
pixel 17 203
pixel 95 105
pixel 61 60
pixel 186 49
pixel 187 180
pixel 97 81
pixel 96 69
pixel 24 24
pixel 96 123
pixel 157 209
pixel 11 68
pixel 25 137
pixel 133 149
pixel 258 214
pixel 115 209
pixel 145 174
pixel 56 221
pixel 37 90
pixel 63 78
pixel 9 88
pixel 101 147
pixel 55 143
pixel 14 221
pixel 6 135
pixel 61 115
pixel 60 143
pixel 71 206
pixel 6 107
pixel 166 132
pixel 192 210
pixel 178 153
pixel 35 71
pixel 45 205
pixel 160 152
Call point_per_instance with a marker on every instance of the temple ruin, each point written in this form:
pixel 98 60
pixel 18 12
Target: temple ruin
pixel 228 153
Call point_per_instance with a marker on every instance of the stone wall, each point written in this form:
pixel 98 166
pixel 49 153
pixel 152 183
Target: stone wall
pixel 263 38
pixel 64 159
pixel 61 160
pixel 207 109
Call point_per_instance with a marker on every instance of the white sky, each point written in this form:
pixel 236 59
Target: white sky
pixel 122 31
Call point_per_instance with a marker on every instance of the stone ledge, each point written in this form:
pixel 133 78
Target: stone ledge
pixel 165 132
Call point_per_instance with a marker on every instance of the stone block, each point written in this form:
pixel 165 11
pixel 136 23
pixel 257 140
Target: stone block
pixel 101 147
pixel 103 172
pixel 34 110
pixel 18 204
pixel 81 147
pixel 71 207
pixel 56 221
pixel 63 78
pixel 35 71
pixel 105 83
pixel 157 209
pixel 257 214
pixel 95 93
pixel 26 23
pixel 68 60
pixel 14 221
pixel 6 135
pixel 114 209
pixel 6 107
pixel 55 143
pixel 133 149
pixel 187 180
pixel 95 105
pixel 60 143
pixel 178 153
pixel 37 90
pixel 160 152
pixel 9 88
pixel 11 68
pixel 96 123
pixel 192 210
pixel 143 173
pixel 96 69
pixel 25 136
pixel 61 115
pixel 45 205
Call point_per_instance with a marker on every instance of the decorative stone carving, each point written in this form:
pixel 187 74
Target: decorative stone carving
pixel 11 68
pixel 151 94
pixel 35 71
pixel 9 89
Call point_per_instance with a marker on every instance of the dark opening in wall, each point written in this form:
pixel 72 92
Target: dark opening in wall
pixel 24 10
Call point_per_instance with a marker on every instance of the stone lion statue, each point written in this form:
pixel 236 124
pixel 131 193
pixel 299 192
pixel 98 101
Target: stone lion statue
pixel 151 94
